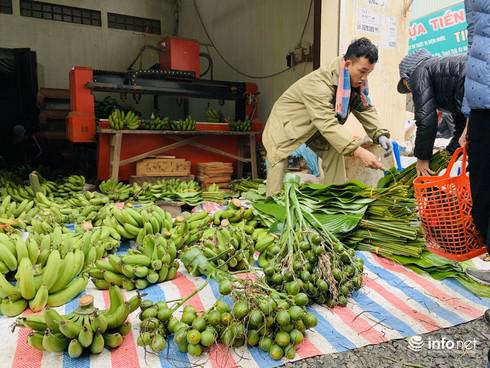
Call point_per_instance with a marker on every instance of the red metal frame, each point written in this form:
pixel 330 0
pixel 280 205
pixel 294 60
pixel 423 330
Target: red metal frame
pixel 81 128
pixel 81 125
pixel 180 54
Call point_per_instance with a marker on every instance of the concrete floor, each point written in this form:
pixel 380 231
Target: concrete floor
pixel 397 354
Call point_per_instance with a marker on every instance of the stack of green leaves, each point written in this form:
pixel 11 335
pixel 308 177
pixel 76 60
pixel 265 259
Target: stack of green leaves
pixel 393 177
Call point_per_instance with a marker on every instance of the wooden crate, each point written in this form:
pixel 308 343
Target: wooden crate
pixel 153 179
pixel 163 167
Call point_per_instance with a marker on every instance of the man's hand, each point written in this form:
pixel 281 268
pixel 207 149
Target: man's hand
pixel 423 168
pixel 385 143
pixel 462 140
pixel 368 159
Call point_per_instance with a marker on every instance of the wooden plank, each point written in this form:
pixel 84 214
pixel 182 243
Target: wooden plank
pixel 219 152
pixel 172 132
pixel 115 155
pixel 156 151
pixel 153 179
pixel 56 94
pixel 241 152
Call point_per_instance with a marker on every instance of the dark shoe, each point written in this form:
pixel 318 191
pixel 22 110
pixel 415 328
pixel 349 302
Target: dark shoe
pixel 480 276
pixel 487 318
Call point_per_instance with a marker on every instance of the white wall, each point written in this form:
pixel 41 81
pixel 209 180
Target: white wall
pixel 255 36
pixel 60 45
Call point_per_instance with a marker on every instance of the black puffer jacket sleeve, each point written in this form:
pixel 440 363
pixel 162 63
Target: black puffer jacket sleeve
pixel 425 105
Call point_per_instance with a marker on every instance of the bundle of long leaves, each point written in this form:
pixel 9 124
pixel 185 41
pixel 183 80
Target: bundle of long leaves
pixel 393 177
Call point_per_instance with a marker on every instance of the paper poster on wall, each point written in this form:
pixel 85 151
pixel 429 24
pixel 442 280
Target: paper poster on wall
pixel 377 2
pixel 368 21
pixel 389 34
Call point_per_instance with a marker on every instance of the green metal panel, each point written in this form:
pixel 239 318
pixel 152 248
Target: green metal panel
pixel 442 32
pixel 420 8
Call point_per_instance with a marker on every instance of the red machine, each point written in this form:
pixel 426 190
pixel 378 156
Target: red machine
pixel 180 54
pixel 178 77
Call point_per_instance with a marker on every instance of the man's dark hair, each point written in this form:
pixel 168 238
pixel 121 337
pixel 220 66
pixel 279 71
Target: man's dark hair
pixel 362 47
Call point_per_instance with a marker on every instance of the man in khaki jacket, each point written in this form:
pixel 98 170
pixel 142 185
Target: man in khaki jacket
pixel 313 111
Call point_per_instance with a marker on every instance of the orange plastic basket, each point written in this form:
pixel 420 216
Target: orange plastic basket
pixel 444 205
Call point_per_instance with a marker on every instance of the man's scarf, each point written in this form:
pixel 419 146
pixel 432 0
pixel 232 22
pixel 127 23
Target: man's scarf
pixel 344 90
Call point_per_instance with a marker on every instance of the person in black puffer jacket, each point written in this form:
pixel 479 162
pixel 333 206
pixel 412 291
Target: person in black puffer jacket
pixel 436 83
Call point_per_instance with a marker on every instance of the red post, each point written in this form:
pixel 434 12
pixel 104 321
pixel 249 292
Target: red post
pixel 81 124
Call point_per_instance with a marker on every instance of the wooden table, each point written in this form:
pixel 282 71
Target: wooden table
pixel 183 138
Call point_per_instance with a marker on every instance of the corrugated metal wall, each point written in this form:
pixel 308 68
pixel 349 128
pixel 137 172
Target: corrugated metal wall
pixel 420 8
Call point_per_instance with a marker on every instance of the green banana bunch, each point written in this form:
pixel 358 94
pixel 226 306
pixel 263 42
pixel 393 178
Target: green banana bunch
pixel 71 185
pixel 116 191
pixel 213 194
pixel 38 288
pixel 214 116
pixel 131 120
pixel 117 119
pixel 16 214
pixel 241 126
pixel 174 186
pixel 85 329
pixel 153 261
pixel 135 223
pixel 141 193
pixel 236 214
pixel 188 228
pixel 156 123
pixel 183 125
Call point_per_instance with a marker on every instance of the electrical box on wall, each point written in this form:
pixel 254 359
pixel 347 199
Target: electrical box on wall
pixel 299 55
pixel 180 54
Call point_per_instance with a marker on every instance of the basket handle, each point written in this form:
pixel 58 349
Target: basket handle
pixel 456 154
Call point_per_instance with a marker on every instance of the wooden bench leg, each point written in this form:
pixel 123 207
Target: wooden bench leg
pixel 116 141
pixel 241 152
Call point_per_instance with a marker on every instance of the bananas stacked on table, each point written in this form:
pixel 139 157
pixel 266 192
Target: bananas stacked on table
pixel 135 223
pixel 213 194
pixel 152 262
pixel 142 193
pixel 155 123
pixel 87 329
pixel 121 120
pixel 230 248
pixel 214 116
pixel 183 125
pixel 115 190
pixel 241 126
pixel 177 190
pixel 174 185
